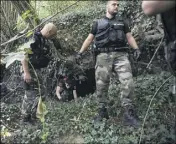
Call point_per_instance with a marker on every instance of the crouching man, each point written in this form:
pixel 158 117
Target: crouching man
pixel 66 90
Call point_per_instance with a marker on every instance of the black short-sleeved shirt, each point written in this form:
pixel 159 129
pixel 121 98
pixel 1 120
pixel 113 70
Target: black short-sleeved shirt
pixel 95 24
pixel 39 41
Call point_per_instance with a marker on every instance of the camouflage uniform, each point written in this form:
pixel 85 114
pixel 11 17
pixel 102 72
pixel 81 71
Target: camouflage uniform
pixel 118 62
pixel 31 96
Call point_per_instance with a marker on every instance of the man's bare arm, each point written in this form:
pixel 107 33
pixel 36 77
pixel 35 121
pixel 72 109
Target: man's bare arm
pixel 75 95
pixel 131 40
pixel 27 76
pixel 155 7
pixel 87 43
pixel 58 92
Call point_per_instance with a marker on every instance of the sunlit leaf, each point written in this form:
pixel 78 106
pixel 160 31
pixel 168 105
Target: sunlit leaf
pixel 12 57
pixel 41 110
pixel 28 51
pixel 7 134
pixel 44 136
pixel 26 45
pixel 25 14
pixel 29 33
pixel 4 132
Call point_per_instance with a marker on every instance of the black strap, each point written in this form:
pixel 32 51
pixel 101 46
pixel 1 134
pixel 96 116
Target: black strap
pixel 112 49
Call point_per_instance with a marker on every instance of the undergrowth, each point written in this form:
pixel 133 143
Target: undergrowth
pixel 73 122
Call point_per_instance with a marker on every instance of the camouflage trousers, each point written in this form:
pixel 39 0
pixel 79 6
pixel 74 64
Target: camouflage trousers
pixel 31 97
pixel 107 63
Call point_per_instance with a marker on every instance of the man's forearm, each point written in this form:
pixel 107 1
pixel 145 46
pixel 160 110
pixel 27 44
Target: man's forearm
pixel 75 94
pixel 25 66
pixel 58 93
pixel 132 43
pixel 154 7
pixel 85 45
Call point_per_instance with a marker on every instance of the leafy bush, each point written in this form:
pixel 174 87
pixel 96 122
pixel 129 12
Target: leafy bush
pixel 72 122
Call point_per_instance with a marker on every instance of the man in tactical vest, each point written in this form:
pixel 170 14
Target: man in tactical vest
pixel 38 59
pixel 167 10
pixel 110 34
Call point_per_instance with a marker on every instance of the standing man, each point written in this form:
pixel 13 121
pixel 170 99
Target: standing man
pixel 167 9
pixel 38 59
pixel 110 34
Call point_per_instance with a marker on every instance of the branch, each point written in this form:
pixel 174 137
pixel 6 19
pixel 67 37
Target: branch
pixel 153 37
pixel 25 30
pixel 16 37
pixel 158 18
pixel 150 32
pixel 5 17
pixel 155 53
pixel 150 106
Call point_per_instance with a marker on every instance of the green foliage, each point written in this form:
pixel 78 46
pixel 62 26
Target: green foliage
pixel 26 46
pixel 19 55
pixel 21 20
pixel 20 25
pixel 26 14
pixel 68 122
pixel 41 113
pixel 5 132
pixel 29 34
pixel 73 122
pixel 41 110
pixel 12 57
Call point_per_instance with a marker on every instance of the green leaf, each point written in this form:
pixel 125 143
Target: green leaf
pixel 28 51
pixel 41 110
pixel 29 33
pixel 25 14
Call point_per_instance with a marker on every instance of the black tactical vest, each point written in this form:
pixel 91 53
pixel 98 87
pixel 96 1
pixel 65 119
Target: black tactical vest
pixel 40 57
pixel 110 33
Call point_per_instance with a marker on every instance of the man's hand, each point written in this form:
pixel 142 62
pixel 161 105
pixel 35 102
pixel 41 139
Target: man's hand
pixel 137 54
pixel 27 77
pixel 78 57
pixel 157 6
pixel 59 97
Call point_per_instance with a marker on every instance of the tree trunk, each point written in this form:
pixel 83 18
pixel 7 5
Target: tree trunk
pixel 26 11
pixel 8 20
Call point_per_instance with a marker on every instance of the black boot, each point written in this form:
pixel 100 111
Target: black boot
pixel 130 118
pixel 28 119
pixel 25 120
pixel 102 113
pixel 34 119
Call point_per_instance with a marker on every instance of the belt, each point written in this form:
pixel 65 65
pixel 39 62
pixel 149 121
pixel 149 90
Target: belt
pixel 112 49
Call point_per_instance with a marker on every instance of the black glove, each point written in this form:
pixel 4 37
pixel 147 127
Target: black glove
pixel 137 54
pixel 78 57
